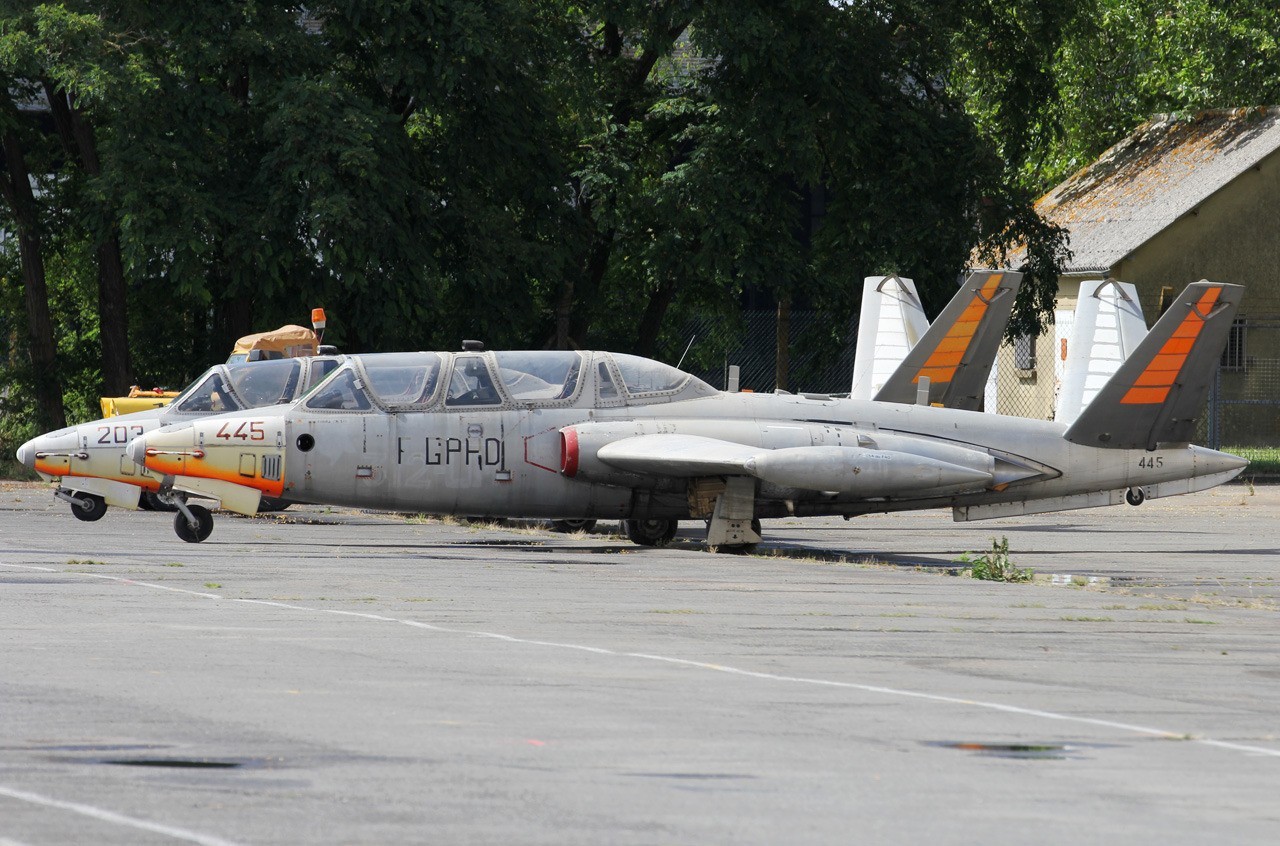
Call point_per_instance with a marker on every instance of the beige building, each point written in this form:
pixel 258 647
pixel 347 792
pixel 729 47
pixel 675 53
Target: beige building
pixel 1179 200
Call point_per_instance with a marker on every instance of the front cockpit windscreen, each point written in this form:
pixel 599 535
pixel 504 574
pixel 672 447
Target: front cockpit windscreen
pixel 211 395
pixel 342 392
pixel 403 378
pixel 646 376
pixel 531 376
pixel 263 383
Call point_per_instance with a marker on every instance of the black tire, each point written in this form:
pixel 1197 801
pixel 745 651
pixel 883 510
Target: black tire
pixel 650 532
pixel 151 501
pixel 93 509
pixel 271 503
pixel 568 527
pixel 1135 496
pixel 204 520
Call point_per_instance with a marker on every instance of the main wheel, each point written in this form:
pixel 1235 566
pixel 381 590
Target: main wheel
pixel 204 521
pixel 650 532
pixel 568 527
pixel 93 508
pixel 151 501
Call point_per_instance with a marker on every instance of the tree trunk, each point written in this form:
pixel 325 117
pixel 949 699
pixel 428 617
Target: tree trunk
pixel 651 320
pixel 232 320
pixel 113 310
pixel 50 413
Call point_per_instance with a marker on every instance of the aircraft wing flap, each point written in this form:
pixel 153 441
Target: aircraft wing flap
pixel 677 455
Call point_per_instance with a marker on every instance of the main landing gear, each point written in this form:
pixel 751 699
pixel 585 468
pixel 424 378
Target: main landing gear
pixel 568 527
pixel 649 532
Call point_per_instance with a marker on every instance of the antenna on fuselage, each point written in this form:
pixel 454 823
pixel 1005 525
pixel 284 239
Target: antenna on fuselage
pixel 686 351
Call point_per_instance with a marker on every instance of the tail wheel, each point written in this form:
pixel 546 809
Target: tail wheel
pixel 90 508
pixel 570 526
pixel 650 532
pixel 1135 496
pixel 197 533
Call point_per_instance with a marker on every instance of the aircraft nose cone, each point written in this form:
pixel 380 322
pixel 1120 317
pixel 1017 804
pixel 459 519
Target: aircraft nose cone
pixel 137 450
pixel 27 453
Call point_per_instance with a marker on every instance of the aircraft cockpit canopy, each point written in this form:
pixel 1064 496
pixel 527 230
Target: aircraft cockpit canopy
pixel 492 379
pixel 231 387
pixel 208 393
pixel 403 378
pixel 539 375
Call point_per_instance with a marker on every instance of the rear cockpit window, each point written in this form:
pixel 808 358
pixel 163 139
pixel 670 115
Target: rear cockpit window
pixel 534 376
pixel 322 367
pixel 210 395
pixel 402 378
pixel 263 383
pixel 341 393
pixel 646 376
pixel 604 381
pixel 471 384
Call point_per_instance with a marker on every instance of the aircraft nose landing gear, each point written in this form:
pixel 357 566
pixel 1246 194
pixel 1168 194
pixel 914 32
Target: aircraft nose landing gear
pixel 1135 496
pixel 193 523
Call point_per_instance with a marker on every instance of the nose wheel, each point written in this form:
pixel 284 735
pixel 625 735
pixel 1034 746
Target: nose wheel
pixel 88 507
pixel 193 523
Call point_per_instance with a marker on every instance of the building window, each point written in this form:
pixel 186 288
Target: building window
pixel 1024 352
pixel 1233 357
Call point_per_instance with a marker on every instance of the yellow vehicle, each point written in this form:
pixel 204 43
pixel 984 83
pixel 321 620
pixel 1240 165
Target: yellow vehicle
pixel 137 400
pixel 286 342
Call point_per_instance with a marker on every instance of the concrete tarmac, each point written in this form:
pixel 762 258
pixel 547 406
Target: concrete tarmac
pixel 331 676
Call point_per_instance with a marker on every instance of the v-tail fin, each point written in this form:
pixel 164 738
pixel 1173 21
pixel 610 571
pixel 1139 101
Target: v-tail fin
pixel 890 323
pixel 1107 328
pixel 957 352
pixel 1158 393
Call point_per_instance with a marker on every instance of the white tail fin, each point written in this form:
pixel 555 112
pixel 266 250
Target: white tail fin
pixel 1108 328
pixel 889 325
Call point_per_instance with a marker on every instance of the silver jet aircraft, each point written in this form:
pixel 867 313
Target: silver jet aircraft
pixel 583 435
pixel 89 460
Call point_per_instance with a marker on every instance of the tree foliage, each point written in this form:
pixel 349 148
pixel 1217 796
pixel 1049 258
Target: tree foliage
pixel 548 172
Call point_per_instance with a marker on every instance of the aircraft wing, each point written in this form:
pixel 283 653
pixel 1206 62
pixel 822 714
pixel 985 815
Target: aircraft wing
pixel 1108 328
pixel 850 469
pixel 677 455
pixel 890 323
pixel 957 352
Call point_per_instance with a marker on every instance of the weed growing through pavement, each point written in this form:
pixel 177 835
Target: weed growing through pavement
pixel 995 566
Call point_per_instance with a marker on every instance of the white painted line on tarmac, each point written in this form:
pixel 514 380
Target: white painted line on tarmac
pixel 721 668
pixel 112 817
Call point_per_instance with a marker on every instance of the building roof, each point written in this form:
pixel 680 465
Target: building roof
pixel 1162 171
